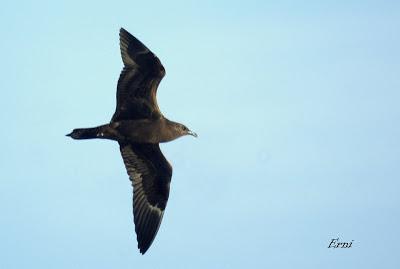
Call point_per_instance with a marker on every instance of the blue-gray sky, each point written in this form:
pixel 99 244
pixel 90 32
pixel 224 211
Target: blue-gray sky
pixel 297 109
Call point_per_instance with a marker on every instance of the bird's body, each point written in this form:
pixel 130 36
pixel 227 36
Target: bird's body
pixel 139 127
pixel 135 131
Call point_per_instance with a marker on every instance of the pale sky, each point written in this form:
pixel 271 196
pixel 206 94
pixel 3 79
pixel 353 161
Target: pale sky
pixel 297 109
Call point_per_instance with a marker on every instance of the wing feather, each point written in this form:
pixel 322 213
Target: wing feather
pixel 150 174
pixel 138 81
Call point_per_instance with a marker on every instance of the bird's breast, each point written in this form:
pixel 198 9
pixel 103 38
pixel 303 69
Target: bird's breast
pixel 142 131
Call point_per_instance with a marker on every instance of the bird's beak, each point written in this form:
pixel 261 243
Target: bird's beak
pixel 192 133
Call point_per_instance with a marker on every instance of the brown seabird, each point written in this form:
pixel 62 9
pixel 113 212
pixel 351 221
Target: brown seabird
pixel 139 127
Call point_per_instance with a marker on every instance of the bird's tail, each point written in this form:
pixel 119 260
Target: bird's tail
pixel 89 133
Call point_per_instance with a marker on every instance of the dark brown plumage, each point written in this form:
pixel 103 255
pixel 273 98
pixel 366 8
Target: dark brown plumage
pixel 139 127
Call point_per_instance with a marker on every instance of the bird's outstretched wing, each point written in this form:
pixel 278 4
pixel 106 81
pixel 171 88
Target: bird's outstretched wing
pixel 138 81
pixel 150 174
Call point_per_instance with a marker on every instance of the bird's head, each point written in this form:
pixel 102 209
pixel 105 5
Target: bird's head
pixel 183 130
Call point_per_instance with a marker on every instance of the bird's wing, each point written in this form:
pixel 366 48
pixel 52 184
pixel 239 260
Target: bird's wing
pixel 150 174
pixel 138 81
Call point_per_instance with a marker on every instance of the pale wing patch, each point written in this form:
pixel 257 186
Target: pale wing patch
pixel 124 43
pixel 136 169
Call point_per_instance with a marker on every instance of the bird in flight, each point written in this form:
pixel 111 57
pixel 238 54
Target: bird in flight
pixel 139 126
